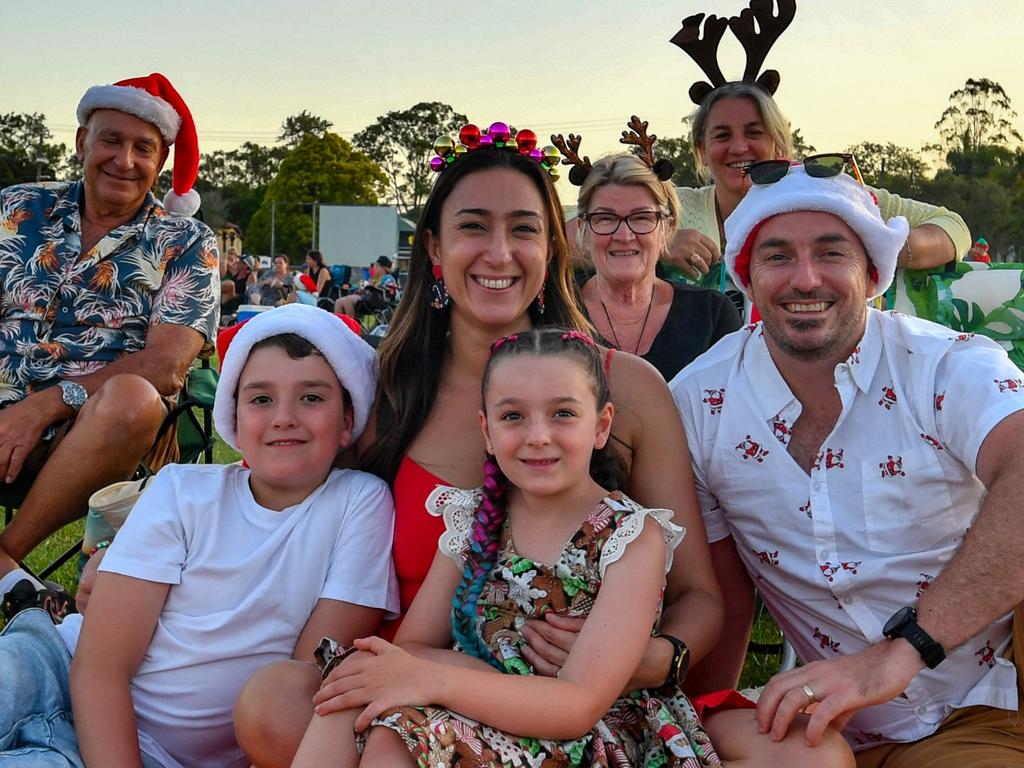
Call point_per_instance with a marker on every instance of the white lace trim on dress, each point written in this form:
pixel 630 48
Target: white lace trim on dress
pixel 629 528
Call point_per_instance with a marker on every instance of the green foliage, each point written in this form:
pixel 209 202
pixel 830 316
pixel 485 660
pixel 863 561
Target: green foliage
pixel 899 169
pixel 402 143
pixel 801 148
pixel 26 149
pixel 979 116
pixel 322 169
pixel 295 128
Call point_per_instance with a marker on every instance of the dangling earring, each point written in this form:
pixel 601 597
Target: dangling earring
pixel 438 295
pixel 540 296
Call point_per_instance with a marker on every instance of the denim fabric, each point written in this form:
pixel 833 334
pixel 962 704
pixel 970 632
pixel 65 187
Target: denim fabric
pixel 36 729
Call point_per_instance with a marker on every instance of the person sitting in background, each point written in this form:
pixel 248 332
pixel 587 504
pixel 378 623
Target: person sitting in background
pixel 626 216
pixel 317 271
pixel 277 286
pixel 218 570
pixel 378 293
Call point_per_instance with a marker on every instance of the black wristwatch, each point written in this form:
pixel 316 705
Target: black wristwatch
pixel 904 624
pixel 680 663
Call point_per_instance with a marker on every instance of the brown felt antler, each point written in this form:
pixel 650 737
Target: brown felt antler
pixel 703 50
pixel 758 43
pixel 582 166
pixel 637 136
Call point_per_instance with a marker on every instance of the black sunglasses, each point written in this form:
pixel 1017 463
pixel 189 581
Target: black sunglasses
pixel 819 166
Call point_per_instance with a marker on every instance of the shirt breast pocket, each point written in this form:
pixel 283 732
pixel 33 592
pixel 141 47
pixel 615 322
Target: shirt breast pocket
pixel 907 505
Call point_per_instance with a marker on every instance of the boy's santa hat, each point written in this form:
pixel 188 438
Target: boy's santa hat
pixel 154 100
pixel 841 196
pixel 353 360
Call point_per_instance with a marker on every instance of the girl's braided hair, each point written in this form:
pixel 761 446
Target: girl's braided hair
pixel 606 468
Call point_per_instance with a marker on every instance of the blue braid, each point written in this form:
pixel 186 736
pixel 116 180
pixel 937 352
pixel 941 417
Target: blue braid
pixel 480 559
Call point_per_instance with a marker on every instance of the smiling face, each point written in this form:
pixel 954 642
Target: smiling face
pixel 492 246
pixel 542 422
pixel 121 158
pixel 624 257
pixel 293 417
pixel 734 138
pixel 809 280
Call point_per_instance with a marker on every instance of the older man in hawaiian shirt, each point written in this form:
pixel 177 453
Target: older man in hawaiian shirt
pixel 863 470
pixel 105 299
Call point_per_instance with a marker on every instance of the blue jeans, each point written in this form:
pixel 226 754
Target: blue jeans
pixel 36 726
pixel 36 729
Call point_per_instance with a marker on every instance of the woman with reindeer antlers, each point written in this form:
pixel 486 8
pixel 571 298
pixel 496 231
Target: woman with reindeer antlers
pixel 738 123
pixel 628 213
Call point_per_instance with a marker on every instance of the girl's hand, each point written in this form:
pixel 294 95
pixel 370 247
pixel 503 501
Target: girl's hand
pixel 550 641
pixel 383 678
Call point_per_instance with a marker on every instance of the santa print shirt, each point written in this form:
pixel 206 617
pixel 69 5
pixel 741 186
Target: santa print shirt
pixel 885 507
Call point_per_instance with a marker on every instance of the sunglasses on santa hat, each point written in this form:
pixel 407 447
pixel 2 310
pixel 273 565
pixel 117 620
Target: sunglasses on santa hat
pixel 818 166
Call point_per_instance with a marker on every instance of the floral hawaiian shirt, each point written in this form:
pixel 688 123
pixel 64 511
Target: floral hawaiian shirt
pixel 834 553
pixel 64 313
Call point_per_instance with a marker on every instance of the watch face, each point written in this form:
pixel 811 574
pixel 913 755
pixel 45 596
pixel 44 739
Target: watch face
pixel 899 620
pixel 72 394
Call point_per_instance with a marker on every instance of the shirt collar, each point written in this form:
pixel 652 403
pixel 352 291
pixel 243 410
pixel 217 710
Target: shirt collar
pixel 69 203
pixel 771 392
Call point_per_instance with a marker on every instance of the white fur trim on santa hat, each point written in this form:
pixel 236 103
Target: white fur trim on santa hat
pixel 352 359
pixel 839 195
pixel 134 101
pixel 186 204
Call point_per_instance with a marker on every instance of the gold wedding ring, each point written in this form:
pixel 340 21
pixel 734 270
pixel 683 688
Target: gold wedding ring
pixel 809 693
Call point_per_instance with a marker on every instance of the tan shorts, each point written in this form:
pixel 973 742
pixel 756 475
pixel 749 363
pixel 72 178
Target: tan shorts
pixel 978 737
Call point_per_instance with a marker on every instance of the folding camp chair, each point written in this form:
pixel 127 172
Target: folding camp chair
pixel 193 416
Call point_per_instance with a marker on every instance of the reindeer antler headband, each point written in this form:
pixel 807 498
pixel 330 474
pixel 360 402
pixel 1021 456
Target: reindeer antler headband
pixel 636 135
pixel 704 50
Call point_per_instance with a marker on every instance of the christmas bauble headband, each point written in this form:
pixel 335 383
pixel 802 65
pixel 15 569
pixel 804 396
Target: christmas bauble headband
pixel 499 135
pixel 704 50
pixel 636 135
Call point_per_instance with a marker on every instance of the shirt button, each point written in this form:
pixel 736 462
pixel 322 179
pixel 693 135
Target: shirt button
pixel 921 709
pixel 64 310
pixel 817 485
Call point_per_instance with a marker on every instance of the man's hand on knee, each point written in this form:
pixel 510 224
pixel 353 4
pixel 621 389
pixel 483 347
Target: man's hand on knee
pixel 22 426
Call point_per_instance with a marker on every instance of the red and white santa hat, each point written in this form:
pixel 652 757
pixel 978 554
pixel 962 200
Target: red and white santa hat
pixel 154 100
pixel 353 360
pixel 841 196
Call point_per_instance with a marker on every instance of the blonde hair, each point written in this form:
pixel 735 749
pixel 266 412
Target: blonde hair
pixel 775 123
pixel 628 170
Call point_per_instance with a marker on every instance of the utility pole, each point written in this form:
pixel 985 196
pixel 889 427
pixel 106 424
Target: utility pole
pixel 273 216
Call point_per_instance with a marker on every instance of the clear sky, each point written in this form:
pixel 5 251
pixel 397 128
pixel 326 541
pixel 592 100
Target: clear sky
pixel 851 71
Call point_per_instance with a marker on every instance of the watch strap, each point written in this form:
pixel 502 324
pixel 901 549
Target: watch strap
pixel 680 663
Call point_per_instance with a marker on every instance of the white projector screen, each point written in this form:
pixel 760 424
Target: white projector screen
pixel 357 234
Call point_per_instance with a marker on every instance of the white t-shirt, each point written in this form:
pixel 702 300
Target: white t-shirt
pixel 244 581
pixel 885 507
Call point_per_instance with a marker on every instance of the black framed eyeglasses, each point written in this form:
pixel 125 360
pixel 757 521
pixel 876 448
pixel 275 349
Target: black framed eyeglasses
pixel 819 166
pixel 639 222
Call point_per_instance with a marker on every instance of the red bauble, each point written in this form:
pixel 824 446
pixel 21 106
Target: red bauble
pixel 527 141
pixel 470 136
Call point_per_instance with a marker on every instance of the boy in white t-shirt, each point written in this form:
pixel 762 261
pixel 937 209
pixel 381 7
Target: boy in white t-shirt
pixel 219 570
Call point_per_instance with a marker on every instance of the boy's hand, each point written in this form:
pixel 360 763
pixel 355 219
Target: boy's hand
pixel 88 579
pixel 381 679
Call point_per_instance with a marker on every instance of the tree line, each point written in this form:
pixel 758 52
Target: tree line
pixel 977 155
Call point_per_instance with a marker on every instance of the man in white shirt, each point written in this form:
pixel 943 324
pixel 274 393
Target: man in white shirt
pixel 862 469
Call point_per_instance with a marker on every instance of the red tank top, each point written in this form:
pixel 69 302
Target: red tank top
pixel 416 534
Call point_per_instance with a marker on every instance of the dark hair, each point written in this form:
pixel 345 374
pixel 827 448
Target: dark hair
pixel 297 347
pixel 317 257
pixel 280 256
pixel 606 468
pixel 417 336
pixel 384 261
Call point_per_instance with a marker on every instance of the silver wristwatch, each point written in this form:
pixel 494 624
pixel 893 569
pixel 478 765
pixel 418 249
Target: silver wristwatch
pixel 74 395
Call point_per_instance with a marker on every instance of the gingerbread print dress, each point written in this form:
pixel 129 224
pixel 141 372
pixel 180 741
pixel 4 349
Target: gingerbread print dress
pixel 643 729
